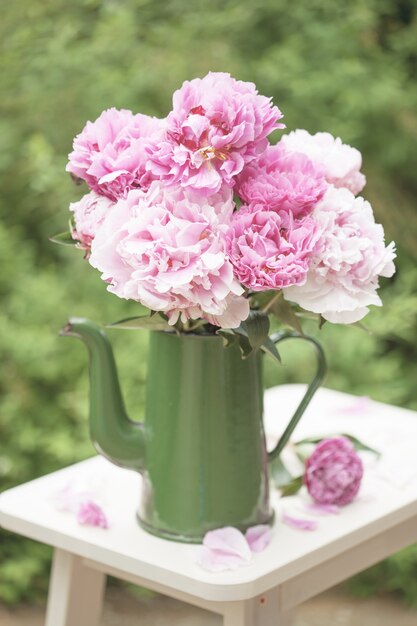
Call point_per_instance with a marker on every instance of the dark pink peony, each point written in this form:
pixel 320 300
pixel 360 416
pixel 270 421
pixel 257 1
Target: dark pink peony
pixel 110 153
pixel 268 250
pixel 282 181
pixel 333 473
pixel 217 125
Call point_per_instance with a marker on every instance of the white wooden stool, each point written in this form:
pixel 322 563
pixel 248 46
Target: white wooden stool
pixel 296 566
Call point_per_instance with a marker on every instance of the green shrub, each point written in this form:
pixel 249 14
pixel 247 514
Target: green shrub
pixel 344 67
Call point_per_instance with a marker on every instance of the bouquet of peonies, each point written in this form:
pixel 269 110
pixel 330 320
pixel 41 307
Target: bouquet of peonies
pixel 204 222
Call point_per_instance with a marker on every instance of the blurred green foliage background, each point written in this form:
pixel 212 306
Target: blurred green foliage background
pixel 349 68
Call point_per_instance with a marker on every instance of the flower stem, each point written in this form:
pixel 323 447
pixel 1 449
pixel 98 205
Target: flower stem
pixel 269 304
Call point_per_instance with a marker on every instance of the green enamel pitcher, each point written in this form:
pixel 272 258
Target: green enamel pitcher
pixel 201 447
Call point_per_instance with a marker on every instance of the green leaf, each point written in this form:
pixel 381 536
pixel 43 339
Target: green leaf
pixel 270 348
pixel 314 440
pixel 283 480
pixel 280 474
pixel 245 347
pixel 145 322
pixel 304 451
pixel 250 335
pixel 261 299
pixel 64 239
pixel 363 327
pixel 237 201
pixel 358 444
pixel 229 337
pixel 236 336
pixel 322 322
pixel 284 312
pixel 196 325
pixel 292 488
pixel 306 315
pixel 255 328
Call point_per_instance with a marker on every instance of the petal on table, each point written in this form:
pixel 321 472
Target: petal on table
pixel 214 561
pixel 69 498
pixel 259 537
pixel 91 514
pixel 322 509
pixel 299 524
pixel 228 540
pixel 223 549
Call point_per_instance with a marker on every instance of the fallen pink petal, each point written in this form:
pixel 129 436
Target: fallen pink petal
pixel 299 524
pixel 91 514
pixel 259 537
pixel 358 407
pixel 229 540
pixel 68 499
pixel 322 509
pixel 223 549
pixel 214 561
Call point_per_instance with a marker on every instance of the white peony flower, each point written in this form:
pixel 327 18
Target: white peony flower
pixel 343 277
pixel 341 162
pixel 89 214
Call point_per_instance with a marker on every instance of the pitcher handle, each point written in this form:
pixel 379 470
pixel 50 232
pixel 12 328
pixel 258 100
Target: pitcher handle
pixel 311 390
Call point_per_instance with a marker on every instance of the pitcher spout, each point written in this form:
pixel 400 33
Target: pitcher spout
pixel 113 433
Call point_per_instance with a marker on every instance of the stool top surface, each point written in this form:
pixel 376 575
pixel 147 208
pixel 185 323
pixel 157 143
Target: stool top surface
pixel 388 497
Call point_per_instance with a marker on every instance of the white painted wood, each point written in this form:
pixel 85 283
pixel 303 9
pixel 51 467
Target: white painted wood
pixel 76 592
pixel 29 510
pixel 263 610
pixel 209 605
pixel 333 571
pixel 260 611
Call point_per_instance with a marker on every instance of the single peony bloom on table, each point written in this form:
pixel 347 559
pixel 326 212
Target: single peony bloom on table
pixel 218 124
pixel 349 258
pixel 333 473
pixel 167 250
pixel 341 163
pixel 110 153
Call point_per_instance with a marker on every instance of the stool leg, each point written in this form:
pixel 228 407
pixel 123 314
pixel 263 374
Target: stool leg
pixel 76 592
pixel 261 611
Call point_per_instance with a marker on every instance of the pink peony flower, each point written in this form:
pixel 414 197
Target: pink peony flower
pixel 341 162
pixel 89 213
pixel 110 153
pixel 347 261
pixel 333 473
pixel 167 250
pixel 282 181
pixel 217 125
pixel 91 514
pixel 268 250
